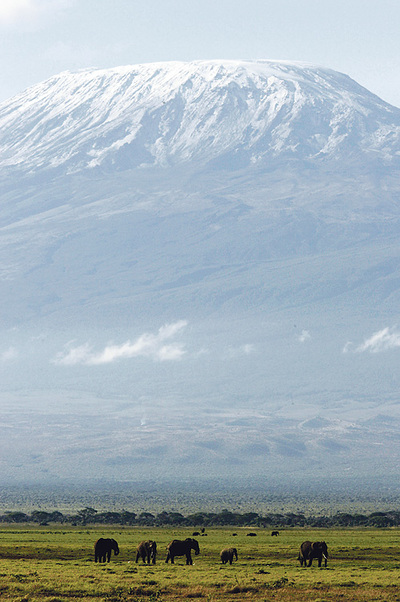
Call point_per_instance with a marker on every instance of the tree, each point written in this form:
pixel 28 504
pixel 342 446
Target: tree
pixel 16 517
pixel 128 518
pixel 146 518
pixel 87 515
pixel 41 517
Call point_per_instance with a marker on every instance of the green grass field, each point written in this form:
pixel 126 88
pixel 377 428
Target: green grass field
pixel 57 565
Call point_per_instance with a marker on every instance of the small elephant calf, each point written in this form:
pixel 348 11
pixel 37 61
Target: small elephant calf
pixel 228 555
pixel 147 550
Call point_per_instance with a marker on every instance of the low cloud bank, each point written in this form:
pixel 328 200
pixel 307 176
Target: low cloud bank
pixel 382 340
pixel 157 347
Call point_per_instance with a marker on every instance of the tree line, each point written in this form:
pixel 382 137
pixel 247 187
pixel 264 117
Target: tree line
pixel 205 519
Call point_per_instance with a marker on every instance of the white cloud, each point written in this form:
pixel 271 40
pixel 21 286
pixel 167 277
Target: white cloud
pixel 382 340
pixel 74 355
pixel 154 346
pixel 348 347
pixel 8 355
pixel 246 349
pixel 305 336
pixel 14 12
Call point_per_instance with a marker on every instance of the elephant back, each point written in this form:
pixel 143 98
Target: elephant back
pixel 305 548
pixel 180 547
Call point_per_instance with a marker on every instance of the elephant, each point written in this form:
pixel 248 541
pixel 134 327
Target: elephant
pixel 274 533
pixel 103 548
pixel 309 550
pixel 178 547
pixel 147 550
pixel 228 555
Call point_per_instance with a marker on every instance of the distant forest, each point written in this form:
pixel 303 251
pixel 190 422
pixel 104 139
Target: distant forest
pixel 88 516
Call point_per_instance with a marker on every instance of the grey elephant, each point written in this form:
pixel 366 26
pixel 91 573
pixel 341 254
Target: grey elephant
pixel 310 550
pixel 147 550
pixel 103 548
pixel 228 554
pixel 179 547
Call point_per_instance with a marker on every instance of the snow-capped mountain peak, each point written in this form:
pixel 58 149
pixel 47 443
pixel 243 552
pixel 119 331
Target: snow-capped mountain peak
pixel 223 112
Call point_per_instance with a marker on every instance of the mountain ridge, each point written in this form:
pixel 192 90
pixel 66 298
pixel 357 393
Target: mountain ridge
pixel 227 114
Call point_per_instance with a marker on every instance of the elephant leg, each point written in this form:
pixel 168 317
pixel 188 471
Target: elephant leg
pixel 310 561
pixel 319 561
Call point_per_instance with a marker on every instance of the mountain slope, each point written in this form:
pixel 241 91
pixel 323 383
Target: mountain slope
pixel 199 274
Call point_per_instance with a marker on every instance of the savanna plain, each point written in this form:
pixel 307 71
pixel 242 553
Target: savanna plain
pixel 56 564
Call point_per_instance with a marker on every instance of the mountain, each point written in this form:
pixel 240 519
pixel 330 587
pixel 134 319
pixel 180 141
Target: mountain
pixel 199 269
pixel 222 114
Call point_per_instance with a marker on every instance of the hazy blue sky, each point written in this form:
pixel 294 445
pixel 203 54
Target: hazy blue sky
pixel 39 38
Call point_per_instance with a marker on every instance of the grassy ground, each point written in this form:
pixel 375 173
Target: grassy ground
pixel 56 564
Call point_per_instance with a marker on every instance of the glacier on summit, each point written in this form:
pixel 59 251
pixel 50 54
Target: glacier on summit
pixel 171 113
pixel 199 267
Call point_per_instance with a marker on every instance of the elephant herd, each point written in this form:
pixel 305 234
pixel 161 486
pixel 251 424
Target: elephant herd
pixel 147 551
